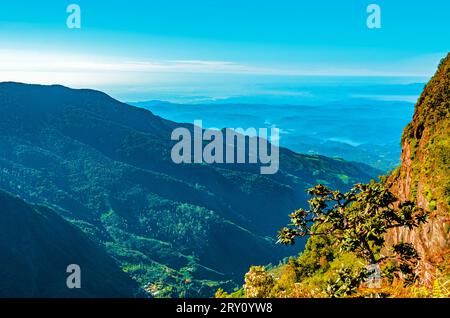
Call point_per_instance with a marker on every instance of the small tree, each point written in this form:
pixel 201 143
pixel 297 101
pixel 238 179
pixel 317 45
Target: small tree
pixel 359 220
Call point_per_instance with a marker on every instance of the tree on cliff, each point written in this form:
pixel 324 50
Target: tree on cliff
pixel 358 221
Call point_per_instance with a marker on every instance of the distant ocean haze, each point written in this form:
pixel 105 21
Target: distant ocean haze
pixel 358 129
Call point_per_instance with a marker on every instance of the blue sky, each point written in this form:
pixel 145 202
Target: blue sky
pixel 126 45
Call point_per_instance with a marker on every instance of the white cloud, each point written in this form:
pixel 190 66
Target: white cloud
pixel 15 60
pixel 90 70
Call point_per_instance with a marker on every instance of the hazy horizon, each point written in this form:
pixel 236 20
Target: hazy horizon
pixel 207 48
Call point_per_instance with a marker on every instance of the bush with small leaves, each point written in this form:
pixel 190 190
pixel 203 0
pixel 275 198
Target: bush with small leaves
pixel 358 221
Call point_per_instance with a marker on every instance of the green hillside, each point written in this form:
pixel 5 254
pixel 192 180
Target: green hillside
pixel 178 230
pixel 36 247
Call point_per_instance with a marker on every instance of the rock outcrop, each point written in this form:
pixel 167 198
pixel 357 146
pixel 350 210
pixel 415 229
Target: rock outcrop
pixel 424 175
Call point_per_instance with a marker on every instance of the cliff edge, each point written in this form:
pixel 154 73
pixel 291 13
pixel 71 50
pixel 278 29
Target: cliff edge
pixel 424 174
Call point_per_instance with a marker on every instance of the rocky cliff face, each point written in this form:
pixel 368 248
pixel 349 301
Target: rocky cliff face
pixel 424 175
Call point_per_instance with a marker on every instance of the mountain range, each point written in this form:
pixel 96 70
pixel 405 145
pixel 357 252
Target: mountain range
pixel 355 129
pixel 104 168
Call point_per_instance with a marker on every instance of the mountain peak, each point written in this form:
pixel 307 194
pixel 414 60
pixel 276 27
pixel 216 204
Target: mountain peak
pixel 426 149
pixel 54 89
pixel 433 105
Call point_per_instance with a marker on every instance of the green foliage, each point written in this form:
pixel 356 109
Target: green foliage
pixel 355 222
pixel 359 219
pixel 346 283
pixel 427 137
pixel 408 256
pixel 441 289
pixel 346 234
pixel 258 283
pixel 239 293
pixel 319 252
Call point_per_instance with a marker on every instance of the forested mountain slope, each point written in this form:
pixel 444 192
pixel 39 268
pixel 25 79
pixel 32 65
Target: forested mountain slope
pixel 36 248
pixel 179 230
